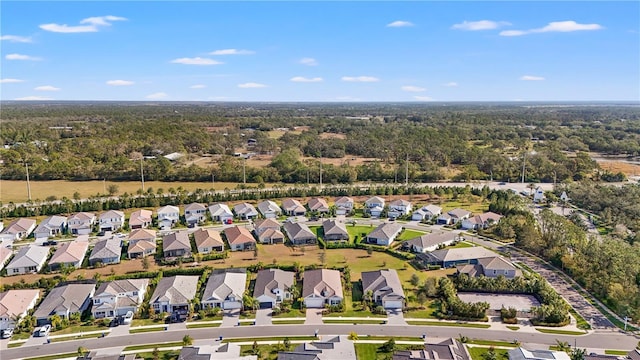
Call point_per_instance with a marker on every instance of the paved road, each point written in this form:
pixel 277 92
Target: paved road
pixel 610 340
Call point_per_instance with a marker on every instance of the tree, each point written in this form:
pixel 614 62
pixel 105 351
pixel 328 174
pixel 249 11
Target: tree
pixel 577 354
pixel 415 280
pixel 112 189
pixel 490 354
pixel 287 343
pixel 155 353
pixel 82 351
pixel 187 340
pixel 145 263
pixel 388 346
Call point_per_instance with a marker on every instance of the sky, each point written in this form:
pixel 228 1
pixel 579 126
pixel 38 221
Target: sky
pixel 320 51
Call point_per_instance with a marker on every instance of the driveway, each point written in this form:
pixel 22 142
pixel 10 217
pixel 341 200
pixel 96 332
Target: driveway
pixel 263 316
pixel 314 317
pixel 395 317
pixel 230 318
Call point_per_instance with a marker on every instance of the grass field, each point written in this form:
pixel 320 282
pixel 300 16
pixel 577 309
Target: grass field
pixel 478 353
pixel 16 191
pixel 408 234
pixel 560 332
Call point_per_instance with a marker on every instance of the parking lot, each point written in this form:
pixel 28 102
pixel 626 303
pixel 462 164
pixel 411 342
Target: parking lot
pixel 497 301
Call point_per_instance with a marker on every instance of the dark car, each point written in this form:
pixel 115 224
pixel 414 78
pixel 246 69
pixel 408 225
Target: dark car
pixel 114 323
pixel 50 243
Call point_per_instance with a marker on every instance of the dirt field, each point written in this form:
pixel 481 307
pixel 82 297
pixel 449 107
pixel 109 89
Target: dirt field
pixel 16 191
pixel 615 166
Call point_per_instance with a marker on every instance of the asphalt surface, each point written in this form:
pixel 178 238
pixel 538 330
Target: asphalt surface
pixel 607 340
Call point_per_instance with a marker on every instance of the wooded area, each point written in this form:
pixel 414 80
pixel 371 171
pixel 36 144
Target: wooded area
pixel 83 141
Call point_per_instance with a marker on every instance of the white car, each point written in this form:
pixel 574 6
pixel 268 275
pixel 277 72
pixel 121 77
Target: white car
pixel 128 317
pixel 7 333
pixel 43 330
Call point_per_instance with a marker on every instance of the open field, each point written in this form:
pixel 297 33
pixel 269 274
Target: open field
pixel 16 191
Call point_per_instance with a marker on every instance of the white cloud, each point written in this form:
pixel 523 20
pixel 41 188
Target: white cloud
pixel 308 61
pixel 196 61
pixel 16 38
pixel 411 88
pixel 360 79
pixel 158 95
pixel 93 25
pixel 197 86
pixel 10 81
pixel 46 88
pixel 21 57
pixel 423 98
pixel 33 98
pixel 556 26
pixel 531 78
pixel 400 23
pixel 120 82
pixel 479 25
pixel 232 52
pixel 451 84
pixel 251 85
pixel 304 79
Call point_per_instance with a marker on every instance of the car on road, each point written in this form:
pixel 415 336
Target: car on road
pixel 43 331
pixel 7 333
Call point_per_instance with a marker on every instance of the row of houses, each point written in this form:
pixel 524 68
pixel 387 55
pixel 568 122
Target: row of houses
pixel 174 295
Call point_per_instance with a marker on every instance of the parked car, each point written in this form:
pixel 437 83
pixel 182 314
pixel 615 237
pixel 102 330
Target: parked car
pixel 7 333
pixel 128 317
pixel 43 330
pixel 114 322
pixel 50 243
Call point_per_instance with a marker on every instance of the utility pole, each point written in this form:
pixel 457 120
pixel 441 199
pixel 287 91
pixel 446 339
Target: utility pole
pixel 104 185
pixel 142 172
pixel 524 163
pixel 244 172
pixel 406 171
pixel 28 183
pixel 213 181
pixel 320 173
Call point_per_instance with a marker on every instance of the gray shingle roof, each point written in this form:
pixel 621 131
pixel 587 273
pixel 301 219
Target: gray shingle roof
pixel 31 255
pixel 270 279
pixel 297 231
pixel 332 227
pixel 176 241
pixel 222 284
pixel 385 231
pixel 432 239
pixel 105 249
pixel 69 297
pixel 175 290
pixel 381 279
pixel 322 282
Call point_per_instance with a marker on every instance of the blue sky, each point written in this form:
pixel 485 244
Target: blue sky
pixel 321 51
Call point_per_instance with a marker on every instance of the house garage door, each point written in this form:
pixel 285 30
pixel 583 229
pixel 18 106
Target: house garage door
pixel 266 305
pixel 393 304
pixel 314 302
pixel 232 305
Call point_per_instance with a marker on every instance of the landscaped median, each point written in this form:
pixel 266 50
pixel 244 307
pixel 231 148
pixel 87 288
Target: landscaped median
pixel 204 324
pixel 426 322
pixel 148 328
pixel 287 321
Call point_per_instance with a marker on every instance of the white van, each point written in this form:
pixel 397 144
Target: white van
pixel 128 317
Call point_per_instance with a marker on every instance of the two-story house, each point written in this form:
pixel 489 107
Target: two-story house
pixel 399 207
pixel 344 205
pixel 52 226
pixel 116 298
pixel 168 216
pixel 111 220
pixel 269 209
pixel 268 231
pixel 81 223
pixel 195 214
pixel 374 206
pixel 140 219
pixel 142 242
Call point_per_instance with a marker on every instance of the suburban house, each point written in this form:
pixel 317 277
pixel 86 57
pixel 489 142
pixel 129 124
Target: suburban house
pixel 430 242
pixel 322 287
pixel 344 205
pixel 106 251
pixel 5 255
pixel 70 253
pixel 65 300
pixel 176 245
pixel 81 223
pixel 208 240
pixel 292 207
pixel 333 230
pixel 15 304
pixel 481 221
pixel 168 216
pixel 269 209
pixel 524 354
pixel 268 231
pixel 221 213
pixel 374 206
pixel 453 216
pixel 142 242
pixel 399 207
pixel 220 351
pixel 452 257
pixel 564 197
pixel 194 214
pixel 29 259
pixel 299 234
pixel 426 213
pixel 140 219
pixel 490 267
pixel 385 288
pixel 116 298
pixel 327 348
pixel 318 205
pixel 450 349
pixel 272 287
pixel 245 211
pixel 111 220
pixel 239 238
pixel 174 294
pixel 19 229
pixel 51 226
pixel 225 289
pixel 384 234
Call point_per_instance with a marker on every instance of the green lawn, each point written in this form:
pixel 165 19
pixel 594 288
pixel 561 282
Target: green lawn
pixel 408 234
pixel 428 312
pixel 371 351
pixel 21 336
pixel 477 353
pixel 79 329
pixel 207 325
pixel 616 352
pixel 491 343
pixel 337 321
pixel 560 332
pixel 54 357
pixel 76 337
pixel 291 314
pixel 443 323
pixel 145 322
pixel 14 345
pixel 165 355
pixel 358 231
pixel 136 331
pixel 266 352
pixel 513 327
pixel 286 322
pixel 152 346
pixel 461 244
